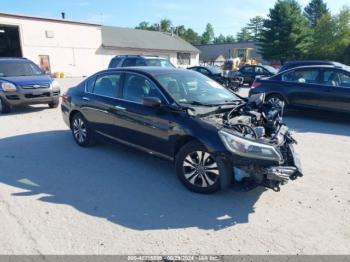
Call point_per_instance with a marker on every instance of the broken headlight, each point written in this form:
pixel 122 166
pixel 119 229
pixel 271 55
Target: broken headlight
pixel 249 148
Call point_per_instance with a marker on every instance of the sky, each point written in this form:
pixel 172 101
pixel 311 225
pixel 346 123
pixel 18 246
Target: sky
pixel 227 16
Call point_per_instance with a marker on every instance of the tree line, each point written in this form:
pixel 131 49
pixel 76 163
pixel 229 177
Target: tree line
pixel 288 33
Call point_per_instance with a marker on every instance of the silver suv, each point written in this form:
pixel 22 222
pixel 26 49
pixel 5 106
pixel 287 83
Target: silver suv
pixel 138 60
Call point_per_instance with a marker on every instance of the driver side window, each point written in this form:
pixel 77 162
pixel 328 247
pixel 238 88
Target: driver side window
pixel 137 87
pixel 344 79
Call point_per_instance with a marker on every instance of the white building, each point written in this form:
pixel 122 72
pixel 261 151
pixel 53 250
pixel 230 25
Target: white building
pixel 81 49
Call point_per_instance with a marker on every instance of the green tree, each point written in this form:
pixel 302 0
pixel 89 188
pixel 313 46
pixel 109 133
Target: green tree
pixel 165 25
pixel 221 39
pixel 286 34
pixel 342 34
pixel 143 26
pixel 208 35
pixel 331 37
pixel 314 11
pixel 323 46
pixel 255 26
pixel 346 56
pixel 180 30
pixel 244 35
pixel 192 37
pixel 230 39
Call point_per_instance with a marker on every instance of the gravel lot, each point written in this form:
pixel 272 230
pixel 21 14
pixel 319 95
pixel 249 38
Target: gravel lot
pixel 58 198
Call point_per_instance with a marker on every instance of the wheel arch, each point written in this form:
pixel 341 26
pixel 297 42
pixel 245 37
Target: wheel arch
pixel 179 143
pixel 71 114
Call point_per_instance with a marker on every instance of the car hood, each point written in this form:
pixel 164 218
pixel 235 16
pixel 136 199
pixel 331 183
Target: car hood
pixel 28 80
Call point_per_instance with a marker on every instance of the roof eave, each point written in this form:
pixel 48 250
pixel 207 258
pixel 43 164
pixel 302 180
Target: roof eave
pixel 142 49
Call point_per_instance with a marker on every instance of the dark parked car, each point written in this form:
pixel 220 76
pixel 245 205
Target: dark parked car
pixel 250 72
pixel 214 137
pixel 23 83
pixel 212 72
pixel 319 87
pixel 294 64
pixel 138 60
pixel 216 74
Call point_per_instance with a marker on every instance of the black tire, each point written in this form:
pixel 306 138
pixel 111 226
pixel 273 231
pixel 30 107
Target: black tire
pixel 81 130
pixel 4 107
pixel 54 104
pixel 203 175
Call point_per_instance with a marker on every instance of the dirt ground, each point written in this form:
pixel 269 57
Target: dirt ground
pixel 58 198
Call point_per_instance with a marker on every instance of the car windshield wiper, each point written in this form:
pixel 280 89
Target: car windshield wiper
pixel 197 103
pixel 229 102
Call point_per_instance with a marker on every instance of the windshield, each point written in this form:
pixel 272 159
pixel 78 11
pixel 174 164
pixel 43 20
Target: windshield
pixel 19 68
pixel 215 70
pixel 189 87
pixel 159 62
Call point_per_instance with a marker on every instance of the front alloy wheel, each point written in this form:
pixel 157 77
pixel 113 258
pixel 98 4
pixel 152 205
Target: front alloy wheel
pixel 199 170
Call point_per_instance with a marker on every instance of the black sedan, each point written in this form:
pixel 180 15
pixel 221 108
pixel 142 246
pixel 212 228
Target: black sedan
pixel 314 87
pixel 212 72
pixel 216 74
pixel 251 72
pixel 214 137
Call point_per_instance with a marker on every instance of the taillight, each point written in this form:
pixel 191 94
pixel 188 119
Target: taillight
pixel 64 97
pixel 256 84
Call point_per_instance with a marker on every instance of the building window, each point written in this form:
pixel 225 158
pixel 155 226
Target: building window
pixel 183 58
pixel 44 61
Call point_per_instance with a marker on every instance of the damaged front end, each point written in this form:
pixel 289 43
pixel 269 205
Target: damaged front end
pixel 261 146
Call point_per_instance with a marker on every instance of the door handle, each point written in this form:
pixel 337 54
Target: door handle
pixel 85 98
pixel 120 108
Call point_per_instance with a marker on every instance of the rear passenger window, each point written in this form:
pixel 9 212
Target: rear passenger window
pixel 90 84
pixel 302 76
pixel 107 85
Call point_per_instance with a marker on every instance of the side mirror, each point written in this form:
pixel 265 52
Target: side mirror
pixel 152 102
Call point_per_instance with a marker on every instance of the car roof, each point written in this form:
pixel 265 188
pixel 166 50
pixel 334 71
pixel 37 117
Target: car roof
pixel 318 66
pixel 310 61
pixel 13 59
pixel 152 70
pixel 344 67
pixel 140 56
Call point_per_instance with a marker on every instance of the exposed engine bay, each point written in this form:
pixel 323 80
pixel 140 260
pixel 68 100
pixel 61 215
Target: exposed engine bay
pixel 261 122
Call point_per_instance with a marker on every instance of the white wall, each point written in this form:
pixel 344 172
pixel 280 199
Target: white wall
pixel 71 50
pixel 75 49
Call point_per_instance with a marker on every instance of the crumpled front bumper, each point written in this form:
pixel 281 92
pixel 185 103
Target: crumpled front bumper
pixel 268 173
pixel 280 175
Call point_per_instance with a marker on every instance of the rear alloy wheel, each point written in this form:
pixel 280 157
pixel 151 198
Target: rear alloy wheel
pixel 198 170
pixel 80 130
pixel 4 107
pixel 276 100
